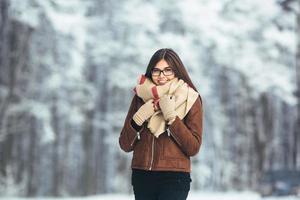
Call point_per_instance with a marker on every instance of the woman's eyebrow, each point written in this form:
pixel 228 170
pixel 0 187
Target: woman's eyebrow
pixel 162 69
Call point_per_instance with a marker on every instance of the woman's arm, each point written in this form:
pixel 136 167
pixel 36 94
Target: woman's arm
pixel 129 132
pixel 188 133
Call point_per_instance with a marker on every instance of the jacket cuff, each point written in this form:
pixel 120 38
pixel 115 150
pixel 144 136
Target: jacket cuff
pixel 135 125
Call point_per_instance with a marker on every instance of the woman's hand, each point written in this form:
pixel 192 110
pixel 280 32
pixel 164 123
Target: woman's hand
pixel 144 112
pixel 167 106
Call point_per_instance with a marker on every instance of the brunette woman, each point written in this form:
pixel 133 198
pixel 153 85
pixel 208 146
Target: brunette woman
pixel 163 128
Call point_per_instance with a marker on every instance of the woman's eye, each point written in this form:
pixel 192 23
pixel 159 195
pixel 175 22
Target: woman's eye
pixel 168 69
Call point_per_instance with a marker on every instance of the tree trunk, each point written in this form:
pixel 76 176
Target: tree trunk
pixel 297 129
pixel 57 176
pixel 31 185
pixel 87 143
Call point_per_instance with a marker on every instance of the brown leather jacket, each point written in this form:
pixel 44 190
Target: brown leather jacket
pixel 171 151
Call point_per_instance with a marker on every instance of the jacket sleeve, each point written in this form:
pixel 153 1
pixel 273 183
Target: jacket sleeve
pixel 188 132
pixel 128 134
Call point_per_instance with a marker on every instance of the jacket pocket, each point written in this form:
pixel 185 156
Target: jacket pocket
pixel 138 154
pixel 140 150
pixel 171 150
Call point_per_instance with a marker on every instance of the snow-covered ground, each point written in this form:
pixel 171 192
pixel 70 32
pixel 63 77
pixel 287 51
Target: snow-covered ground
pixel 192 196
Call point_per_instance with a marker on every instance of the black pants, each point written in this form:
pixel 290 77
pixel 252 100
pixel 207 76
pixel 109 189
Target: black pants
pixel 151 185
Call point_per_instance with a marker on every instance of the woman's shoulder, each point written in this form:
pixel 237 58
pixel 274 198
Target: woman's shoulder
pixel 198 102
pixel 196 107
pixel 136 100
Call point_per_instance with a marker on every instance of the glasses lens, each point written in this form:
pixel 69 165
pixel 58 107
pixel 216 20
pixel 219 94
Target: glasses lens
pixel 168 71
pixel 155 72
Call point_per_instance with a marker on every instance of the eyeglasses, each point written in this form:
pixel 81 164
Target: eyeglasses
pixel 168 71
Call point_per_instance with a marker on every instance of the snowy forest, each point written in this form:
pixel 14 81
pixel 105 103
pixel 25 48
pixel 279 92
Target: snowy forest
pixel 68 67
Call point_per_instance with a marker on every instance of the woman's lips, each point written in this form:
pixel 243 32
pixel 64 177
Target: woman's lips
pixel 161 82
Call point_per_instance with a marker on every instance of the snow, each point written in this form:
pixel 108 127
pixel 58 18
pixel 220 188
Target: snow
pixel 192 196
pixel 17 10
pixel 217 26
pixel 285 38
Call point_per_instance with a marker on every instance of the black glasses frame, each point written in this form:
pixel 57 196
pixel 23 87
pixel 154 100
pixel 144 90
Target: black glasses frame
pixel 162 71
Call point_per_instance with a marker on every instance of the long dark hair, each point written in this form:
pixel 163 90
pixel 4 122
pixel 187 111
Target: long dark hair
pixel 171 57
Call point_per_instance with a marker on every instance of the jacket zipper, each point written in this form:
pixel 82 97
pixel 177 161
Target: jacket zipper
pixel 152 157
pixel 170 133
pixel 138 136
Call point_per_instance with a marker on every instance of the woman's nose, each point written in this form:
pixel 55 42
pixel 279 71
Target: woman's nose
pixel 161 74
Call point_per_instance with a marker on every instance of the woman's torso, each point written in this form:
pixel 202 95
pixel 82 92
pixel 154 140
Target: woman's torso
pixel 158 154
pixel 167 152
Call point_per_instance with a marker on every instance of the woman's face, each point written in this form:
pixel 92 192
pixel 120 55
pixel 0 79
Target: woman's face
pixel 162 73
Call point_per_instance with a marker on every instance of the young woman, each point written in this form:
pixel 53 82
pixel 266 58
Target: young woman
pixel 163 128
